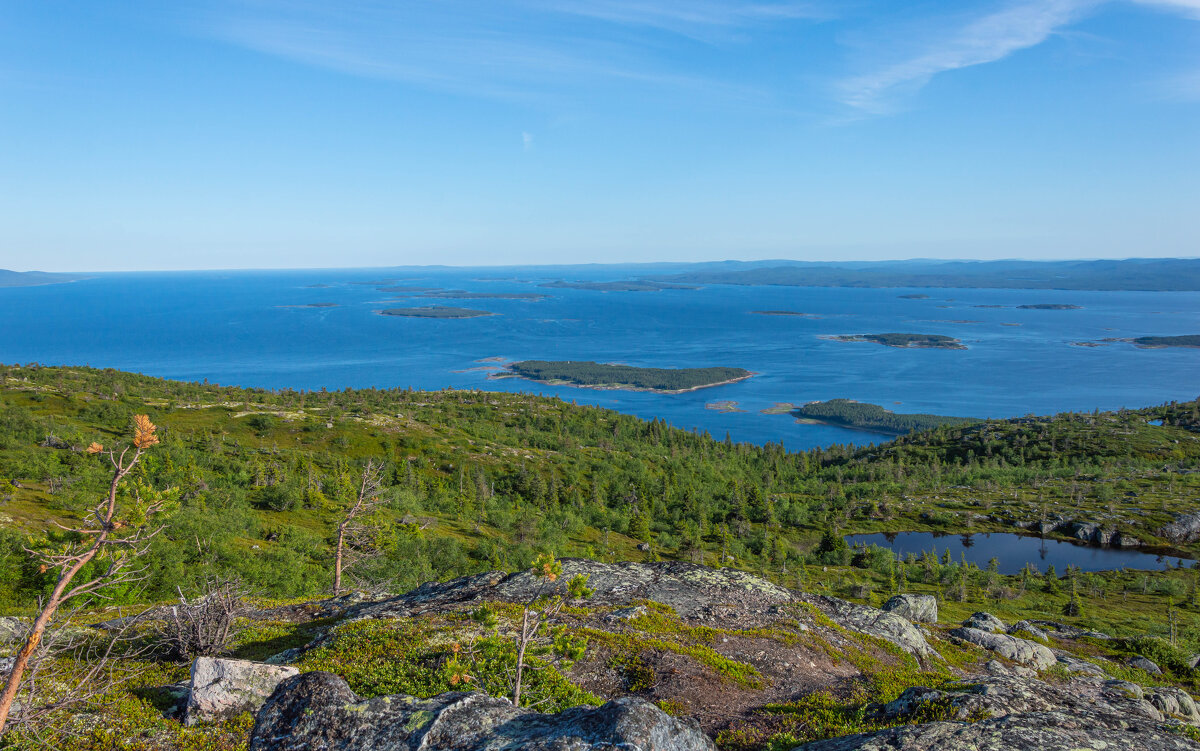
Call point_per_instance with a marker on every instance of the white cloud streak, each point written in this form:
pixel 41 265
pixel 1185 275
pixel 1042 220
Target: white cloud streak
pixel 983 40
pixel 520 49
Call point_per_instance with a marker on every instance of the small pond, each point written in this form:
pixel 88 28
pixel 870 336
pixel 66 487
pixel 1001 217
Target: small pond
pixel 1014 551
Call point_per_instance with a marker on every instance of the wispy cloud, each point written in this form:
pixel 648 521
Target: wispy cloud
pixel 1189 7
pixel 527 140
pixel 522 49
pixel 986 39
pixel 699 19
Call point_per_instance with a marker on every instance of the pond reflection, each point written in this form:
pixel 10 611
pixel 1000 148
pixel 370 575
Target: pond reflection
pixel 1015 551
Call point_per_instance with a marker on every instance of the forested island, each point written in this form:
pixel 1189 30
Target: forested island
pixel 913 297
pixel 848 413
pixel 436 311
pixel 608 376
pixel 903 341
pixel 1157 342
pixel 1049 306
pixel 794 313
pixel 311 305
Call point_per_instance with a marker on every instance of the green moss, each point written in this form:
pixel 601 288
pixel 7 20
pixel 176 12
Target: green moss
pixel 423 658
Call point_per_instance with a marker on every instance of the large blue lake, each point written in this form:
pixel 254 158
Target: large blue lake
pixel 231 328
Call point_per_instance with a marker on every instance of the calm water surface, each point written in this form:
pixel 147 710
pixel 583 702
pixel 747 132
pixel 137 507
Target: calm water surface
pixel 230 328
pixel 1014 551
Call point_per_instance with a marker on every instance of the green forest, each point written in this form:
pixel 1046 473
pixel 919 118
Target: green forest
pixel 481 480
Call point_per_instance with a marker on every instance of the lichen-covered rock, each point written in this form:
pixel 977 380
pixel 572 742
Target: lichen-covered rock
pixel 224 688
pixel 1076 666
pixel 1028 627
pixel 1144 663
pixel 1018 650
pixel 1126 540
pixel 1010 711
pixel 319 711
pixel 1064 631
pixel 985 622
pixel 12 629
pixel 1176 703
pixel 874 622
pixel 916 608
pixel 693 591
pixel 1184 528
pixel 1037 731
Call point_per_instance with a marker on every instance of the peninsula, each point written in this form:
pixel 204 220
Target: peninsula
pixel 847 413
pixel 436 311
pixel 903 341
pixel 594 375
pixel 637 285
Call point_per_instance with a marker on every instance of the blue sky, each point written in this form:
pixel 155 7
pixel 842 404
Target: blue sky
pixel 298 133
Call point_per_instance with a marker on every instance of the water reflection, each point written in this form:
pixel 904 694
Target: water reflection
pixel 1015 551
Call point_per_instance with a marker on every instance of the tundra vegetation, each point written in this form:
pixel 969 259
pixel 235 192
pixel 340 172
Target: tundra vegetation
pixel 463 482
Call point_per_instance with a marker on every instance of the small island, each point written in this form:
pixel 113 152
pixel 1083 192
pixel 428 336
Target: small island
pixel 794 313
pixel 913 297
pixel 637 285
pixel 725 406
pixel 311 305
pixel 594 375
pixel 436 311
pixel 847 413
pixel 902 341
pixel 1050 306
pixel 406 289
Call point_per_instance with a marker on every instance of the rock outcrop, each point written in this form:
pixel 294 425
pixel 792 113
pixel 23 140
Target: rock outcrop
pixel 319 711
pixel 985 622
pixel 693 591
pixel 916 608
pixel 1010 710
pixel 1184 528
pixel 874 622
pixel 1013 648
pixel 224 688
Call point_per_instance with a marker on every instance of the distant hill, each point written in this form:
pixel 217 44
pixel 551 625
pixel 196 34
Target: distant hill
pixel 1143 274
pixel 34 278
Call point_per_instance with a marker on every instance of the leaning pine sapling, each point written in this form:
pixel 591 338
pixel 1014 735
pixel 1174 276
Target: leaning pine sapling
pixel 114 535
pixel 540 610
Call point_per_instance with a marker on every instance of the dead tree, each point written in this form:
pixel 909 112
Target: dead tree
pixel 117 532
pixel 355 535
pixel 205 625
